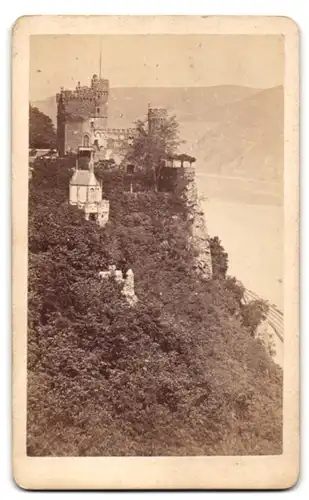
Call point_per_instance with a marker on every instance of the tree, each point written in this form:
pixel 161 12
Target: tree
pixel 253 314
pixel 152 145
pixel 219 258
pixel 42 132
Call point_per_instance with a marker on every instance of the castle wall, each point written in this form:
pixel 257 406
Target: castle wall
pixel 167 181
pixel 73 195
pixel 82 194
pixel 76 106
pixel 91 208
pixel 84 109
pixel 112 143
pixel 73 135
pixel 109 142
pixel 98 194
pixel 79 109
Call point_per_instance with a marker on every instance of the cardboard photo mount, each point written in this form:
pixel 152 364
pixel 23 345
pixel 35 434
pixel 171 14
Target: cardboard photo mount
pixel 211 472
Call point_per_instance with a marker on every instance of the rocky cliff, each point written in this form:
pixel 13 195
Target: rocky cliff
pixel 199 238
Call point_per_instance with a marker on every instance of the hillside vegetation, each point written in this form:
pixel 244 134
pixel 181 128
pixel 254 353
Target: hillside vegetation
pixel 42 133
pixel 179 374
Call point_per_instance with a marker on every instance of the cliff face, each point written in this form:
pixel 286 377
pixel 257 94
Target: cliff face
pixel 199 234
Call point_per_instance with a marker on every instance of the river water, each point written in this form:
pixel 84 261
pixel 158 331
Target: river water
pixel 247 216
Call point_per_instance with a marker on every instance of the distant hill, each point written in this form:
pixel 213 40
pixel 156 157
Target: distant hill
pixel 231 130
pixel 244 138
pixel 127 104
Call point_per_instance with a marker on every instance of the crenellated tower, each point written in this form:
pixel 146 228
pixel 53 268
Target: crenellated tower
pixel 75 107
pixel 100 89
pixel 156 116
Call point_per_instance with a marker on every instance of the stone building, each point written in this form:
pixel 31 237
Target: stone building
pixel 75 107
pixel 82 120
pixel 127 282
pixel 85 190
pixel 155 117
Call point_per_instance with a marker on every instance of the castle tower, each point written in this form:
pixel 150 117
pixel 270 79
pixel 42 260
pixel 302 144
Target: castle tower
pixel 74 110
pixel 155 118
pixel 60 124
pixel 100 88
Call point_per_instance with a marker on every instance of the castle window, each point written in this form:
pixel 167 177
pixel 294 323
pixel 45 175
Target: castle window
pixel 86 141
pixel 130 169
pixel 92 195
pixel 98 111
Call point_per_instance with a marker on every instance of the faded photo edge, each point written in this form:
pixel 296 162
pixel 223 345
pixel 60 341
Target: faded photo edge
pixel 265 472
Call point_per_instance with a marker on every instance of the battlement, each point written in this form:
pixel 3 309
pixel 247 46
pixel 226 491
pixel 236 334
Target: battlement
pixel 99 84
pixel 157 113
pixel 98 89
pixel 87 94
pixel 124 131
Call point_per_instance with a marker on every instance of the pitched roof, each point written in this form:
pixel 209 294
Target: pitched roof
pixel 84 178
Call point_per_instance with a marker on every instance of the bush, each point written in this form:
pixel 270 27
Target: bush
pixel 253 314
pixel 219 258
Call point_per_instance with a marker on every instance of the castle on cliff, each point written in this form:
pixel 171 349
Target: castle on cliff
pixel 82 128
pixel 82 121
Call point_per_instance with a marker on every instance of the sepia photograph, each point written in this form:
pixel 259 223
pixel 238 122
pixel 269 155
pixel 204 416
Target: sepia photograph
pixel 155 285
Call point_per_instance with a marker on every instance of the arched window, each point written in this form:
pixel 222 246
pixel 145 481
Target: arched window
pixel 92 195
pixel 130 169
pixel 86 141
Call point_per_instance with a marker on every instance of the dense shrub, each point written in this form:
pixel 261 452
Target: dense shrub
pixel 42 133
pixel 176 375
pixel 219 258
pixel 253 314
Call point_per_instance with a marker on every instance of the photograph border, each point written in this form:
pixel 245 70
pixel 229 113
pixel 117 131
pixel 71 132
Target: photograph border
pixel 211 472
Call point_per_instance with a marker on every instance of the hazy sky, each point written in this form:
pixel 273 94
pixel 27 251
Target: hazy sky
pixel 155 61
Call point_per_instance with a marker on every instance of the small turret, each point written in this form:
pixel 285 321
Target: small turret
pixel 155 117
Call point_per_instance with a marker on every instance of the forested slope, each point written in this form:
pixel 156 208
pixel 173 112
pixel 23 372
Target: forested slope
pixel 179 374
